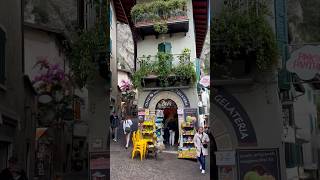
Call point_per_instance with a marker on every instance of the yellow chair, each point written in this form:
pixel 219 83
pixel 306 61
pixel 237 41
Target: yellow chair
pixel 138 146
pixel 139 138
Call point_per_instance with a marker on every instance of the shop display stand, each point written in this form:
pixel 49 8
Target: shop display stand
pixel 187 151
pixel 148 133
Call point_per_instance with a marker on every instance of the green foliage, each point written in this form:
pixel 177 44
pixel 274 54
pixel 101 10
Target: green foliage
pixel 158 12
pixel 163 68
pixel 245 33
pixel 81 56
pixel 185 70
pixel 160 27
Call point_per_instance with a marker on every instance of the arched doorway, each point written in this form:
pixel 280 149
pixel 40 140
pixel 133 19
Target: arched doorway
pixel 170 121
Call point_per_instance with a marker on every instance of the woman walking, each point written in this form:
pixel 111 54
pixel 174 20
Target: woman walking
pixel 127 123
pixel 201 141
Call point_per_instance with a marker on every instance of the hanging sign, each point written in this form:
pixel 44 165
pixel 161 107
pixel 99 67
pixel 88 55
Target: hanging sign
pixel 258 164
pixel 205 81
pixel 237 115
pixel 305 62
pixel 191 115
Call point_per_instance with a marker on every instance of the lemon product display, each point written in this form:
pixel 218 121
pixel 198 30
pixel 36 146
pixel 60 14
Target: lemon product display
pixel 187 151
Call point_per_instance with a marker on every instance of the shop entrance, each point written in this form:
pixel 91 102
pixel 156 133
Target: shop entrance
pixel 170 122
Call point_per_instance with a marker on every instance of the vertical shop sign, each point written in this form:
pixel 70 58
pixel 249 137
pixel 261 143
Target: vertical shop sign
pixel 99 166
pixel 258 164
pixel 237 115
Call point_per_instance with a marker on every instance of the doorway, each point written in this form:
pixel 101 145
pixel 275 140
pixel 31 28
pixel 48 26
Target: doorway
pixel 170 122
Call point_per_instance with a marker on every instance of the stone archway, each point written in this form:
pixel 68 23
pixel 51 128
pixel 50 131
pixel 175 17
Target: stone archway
pixel 165 95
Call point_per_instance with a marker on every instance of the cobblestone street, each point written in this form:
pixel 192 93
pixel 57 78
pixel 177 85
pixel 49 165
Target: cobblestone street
pixel 166 167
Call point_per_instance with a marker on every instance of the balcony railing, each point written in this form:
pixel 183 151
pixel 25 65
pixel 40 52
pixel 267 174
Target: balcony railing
pixel 165 70
pixel 175 60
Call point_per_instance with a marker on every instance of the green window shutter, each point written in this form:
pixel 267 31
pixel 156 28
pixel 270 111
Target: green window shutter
pixel 110 15
pixel 284 77
pixel 2 55
pixel 165 47
pixel 198 71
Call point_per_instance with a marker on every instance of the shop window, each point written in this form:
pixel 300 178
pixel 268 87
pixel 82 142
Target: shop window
pixel 2 56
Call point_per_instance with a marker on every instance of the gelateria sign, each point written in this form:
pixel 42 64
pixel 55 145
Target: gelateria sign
pixel 305 62
pixel 237 115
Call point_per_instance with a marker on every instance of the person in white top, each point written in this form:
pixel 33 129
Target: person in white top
pixel 127 123
pixel 201 142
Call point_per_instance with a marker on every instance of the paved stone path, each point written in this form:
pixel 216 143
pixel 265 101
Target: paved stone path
pixel 166 167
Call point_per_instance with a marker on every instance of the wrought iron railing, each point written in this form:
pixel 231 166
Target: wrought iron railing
pixel 174 61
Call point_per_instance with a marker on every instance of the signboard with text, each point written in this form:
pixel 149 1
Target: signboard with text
pixel 258 164
pixel 237 115
pixel 305 62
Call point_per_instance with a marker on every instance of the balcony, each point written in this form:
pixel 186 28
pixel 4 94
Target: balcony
pixel 160 17
pixel 164 71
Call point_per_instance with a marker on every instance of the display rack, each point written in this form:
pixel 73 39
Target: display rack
pixel 188 150
pixel 148 133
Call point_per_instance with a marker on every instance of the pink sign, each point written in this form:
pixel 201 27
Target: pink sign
pixel 305 62
pixel 205 81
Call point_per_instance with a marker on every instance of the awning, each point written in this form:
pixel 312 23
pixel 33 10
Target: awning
pixel 40 132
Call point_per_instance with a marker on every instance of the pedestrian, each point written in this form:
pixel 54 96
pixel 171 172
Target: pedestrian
pixel 114 121
pixel 201 140
pixel 172 131
pixel 127 123
pixel 13 172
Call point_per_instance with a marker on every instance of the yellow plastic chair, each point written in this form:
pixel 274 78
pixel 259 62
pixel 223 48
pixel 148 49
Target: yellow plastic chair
pixel 138 146
pixel 139 138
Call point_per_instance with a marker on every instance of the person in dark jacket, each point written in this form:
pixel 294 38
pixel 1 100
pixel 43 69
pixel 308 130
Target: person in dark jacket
pixel 114 122
pixel 13 172
pixel 172 131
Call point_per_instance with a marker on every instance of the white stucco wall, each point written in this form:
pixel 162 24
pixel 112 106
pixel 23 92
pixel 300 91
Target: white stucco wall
pixel 40 44
pixel 149 46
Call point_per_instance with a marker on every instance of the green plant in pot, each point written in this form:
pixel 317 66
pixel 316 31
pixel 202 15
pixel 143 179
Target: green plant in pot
pixel 185 70
pixel 164 67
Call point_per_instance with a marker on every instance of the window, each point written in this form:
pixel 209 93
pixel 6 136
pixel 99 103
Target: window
pixel 2 56
pixel 165 47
